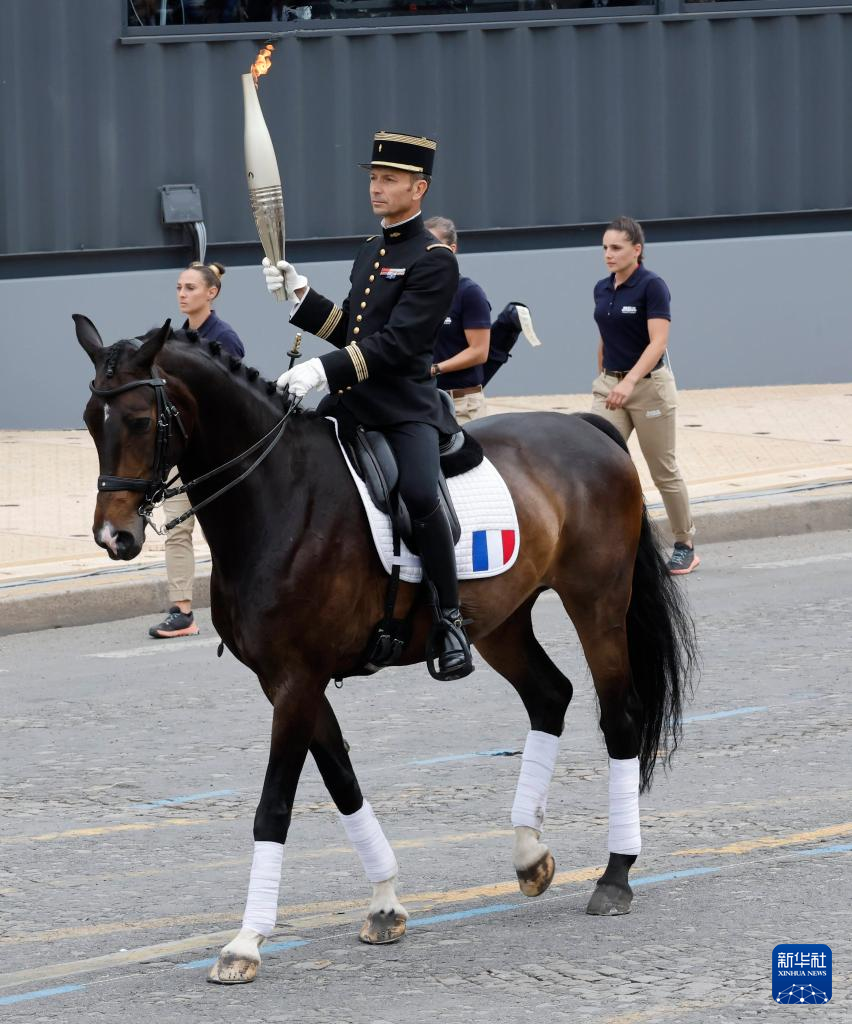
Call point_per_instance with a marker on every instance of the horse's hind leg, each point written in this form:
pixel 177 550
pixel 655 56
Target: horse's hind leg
pixel 386 916
pixel 600 623
pixel 514 652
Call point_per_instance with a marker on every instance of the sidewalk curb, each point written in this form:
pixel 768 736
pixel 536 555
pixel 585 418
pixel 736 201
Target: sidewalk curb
pixel 776 514
pixel 82 603
pixel 74 605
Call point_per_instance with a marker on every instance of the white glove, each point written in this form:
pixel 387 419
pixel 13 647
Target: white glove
pixel 302 379
pixel 283 275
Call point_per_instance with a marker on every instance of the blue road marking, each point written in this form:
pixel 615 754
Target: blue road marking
pixel 723 714
pixel 467 757
pixel 671 875
pixel 692 718
pixel 184 799
pixel 267 947
pixel 39 994
pixel 837 848
pixel 459 915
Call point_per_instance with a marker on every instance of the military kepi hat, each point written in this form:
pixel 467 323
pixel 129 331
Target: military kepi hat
pixel 404 152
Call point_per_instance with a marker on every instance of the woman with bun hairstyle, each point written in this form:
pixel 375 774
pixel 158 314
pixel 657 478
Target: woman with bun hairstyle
pixel 197 287
pixel 635 389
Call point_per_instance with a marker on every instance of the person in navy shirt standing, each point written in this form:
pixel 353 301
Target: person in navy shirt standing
pixel 197 287
pixel 635 389
pixel 470 348
pixel 462 345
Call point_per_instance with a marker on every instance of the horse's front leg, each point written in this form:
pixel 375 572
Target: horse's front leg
pixel 386 916
pixel 293 717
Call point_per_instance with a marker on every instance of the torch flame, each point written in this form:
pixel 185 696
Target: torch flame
pixel 262 63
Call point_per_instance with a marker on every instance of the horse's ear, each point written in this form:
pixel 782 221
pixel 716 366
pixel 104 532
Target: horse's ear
pixel 87 335
pixel 150 348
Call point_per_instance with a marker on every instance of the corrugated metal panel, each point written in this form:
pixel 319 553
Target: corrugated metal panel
pixel 538 124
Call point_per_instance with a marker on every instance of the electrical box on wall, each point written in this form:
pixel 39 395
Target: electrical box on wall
pixel 181 204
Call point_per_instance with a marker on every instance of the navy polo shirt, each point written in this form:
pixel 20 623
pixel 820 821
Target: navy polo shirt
pixel 622 315
pixel 470 310
pixel 214 329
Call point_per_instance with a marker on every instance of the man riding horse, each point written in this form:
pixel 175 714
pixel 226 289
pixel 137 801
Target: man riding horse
pixel 403 282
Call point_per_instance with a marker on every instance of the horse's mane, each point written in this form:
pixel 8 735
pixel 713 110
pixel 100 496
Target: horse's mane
pixel 263 389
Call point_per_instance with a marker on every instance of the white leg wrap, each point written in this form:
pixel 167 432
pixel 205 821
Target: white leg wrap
pixel 539 758
pixel 262 900
pixel 366 835
pixel 624 835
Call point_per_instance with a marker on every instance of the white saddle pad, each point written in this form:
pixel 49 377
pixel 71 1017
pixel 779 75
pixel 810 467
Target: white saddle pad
pixel 489 540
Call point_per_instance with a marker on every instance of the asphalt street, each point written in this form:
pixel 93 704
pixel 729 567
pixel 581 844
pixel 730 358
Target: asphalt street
pixel 131 770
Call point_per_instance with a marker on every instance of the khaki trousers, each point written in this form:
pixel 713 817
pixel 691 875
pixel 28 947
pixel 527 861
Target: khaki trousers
pixel 180 557
pixel 470 407
pixel 651 411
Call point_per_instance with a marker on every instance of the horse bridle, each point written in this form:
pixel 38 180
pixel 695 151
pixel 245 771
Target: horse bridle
pixel 157 488
pixel 153 487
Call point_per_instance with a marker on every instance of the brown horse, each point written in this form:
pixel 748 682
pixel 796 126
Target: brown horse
pixel 290 542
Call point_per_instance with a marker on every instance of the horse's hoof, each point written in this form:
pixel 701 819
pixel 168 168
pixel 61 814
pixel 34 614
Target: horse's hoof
pixel 233 970
pixel 535 879
pixel 610 901
pixel 382 928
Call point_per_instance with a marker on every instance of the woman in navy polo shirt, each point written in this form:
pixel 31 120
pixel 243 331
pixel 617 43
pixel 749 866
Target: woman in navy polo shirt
pixel 635 389
pixel 197 287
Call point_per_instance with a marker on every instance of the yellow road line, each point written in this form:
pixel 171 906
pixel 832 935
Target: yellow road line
pixel 771 842
pixel 425 900
pixel 554 826
pixel 67 881
pixel 319 914
pixel 160 950
pixel 304 912
pixel 304 918
pixel 102 830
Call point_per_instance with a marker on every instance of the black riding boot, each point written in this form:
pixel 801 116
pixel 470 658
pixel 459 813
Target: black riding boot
pixel 448 642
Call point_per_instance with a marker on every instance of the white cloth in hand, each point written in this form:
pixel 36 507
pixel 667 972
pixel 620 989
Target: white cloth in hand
pixel 283 275
pixel 302 379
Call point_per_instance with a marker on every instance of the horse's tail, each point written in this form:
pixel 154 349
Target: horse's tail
pixel 605 426
pixel 660 641
pixel 663 653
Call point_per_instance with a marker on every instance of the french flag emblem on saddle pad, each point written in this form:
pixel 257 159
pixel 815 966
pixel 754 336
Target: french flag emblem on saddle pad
pixel 492 549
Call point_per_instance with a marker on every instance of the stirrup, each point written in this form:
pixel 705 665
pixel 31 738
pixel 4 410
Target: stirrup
pixel 433 653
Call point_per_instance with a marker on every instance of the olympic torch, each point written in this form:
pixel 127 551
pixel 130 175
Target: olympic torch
pixel 264 181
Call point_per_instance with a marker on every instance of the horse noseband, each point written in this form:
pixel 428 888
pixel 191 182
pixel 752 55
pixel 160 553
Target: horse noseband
pixel 154 487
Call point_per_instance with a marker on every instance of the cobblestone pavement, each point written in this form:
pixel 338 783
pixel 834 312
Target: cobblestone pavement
pixel 133 768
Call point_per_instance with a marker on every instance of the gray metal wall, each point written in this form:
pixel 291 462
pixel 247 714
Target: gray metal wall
pixel 745 312
pixel 543 122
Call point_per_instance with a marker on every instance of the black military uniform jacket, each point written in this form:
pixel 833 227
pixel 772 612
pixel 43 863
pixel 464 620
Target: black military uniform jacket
pixel 403 282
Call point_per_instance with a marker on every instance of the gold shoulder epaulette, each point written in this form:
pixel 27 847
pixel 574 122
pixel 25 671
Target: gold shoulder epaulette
pixel 439 245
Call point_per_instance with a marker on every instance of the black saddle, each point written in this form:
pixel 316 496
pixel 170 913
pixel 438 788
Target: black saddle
pixel 374 461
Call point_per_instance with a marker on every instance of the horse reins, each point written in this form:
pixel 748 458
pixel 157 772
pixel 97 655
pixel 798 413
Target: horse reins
pixel 157 488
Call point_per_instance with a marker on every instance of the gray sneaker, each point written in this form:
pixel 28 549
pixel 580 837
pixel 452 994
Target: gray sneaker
pixel 684 559
pixel 176 623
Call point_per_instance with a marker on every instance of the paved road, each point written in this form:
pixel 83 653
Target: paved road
pixel 132 770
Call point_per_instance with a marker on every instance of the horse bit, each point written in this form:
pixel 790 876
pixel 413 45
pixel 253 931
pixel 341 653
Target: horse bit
pixel 158 488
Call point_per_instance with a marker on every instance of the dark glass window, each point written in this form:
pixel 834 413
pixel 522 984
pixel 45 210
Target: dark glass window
pixel 219 12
